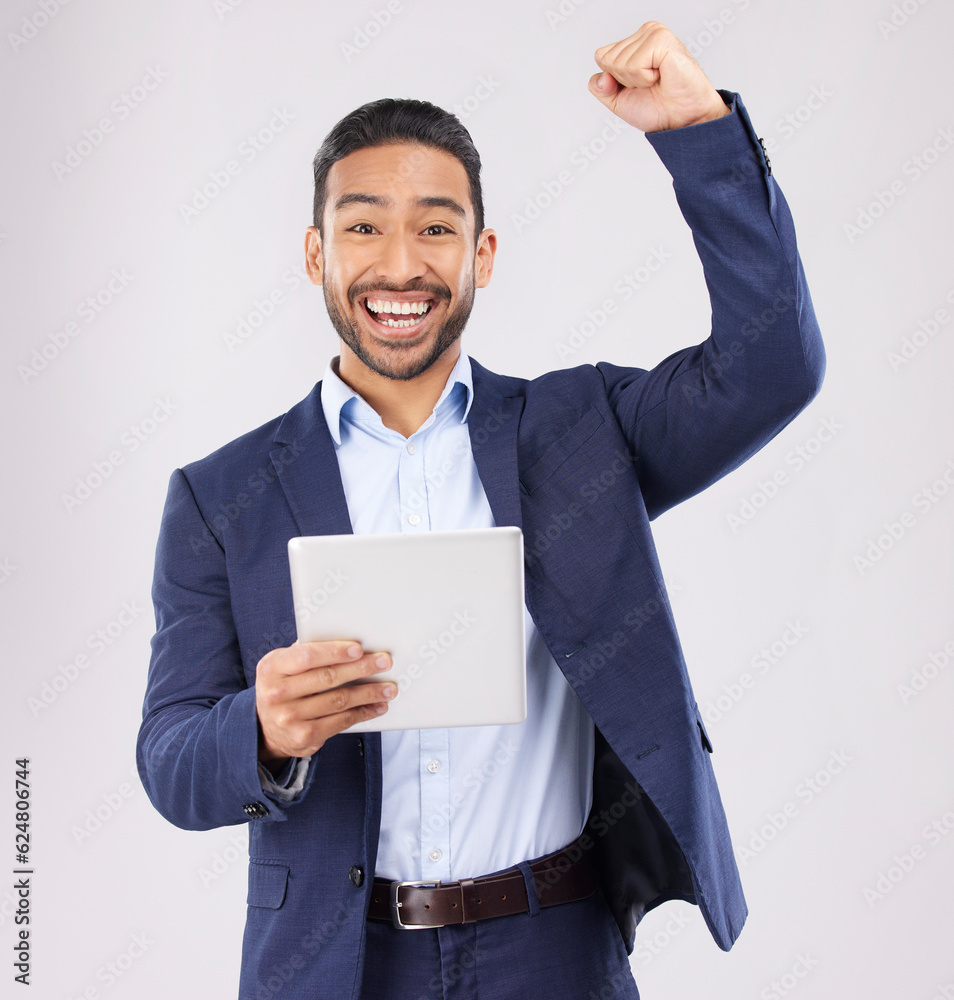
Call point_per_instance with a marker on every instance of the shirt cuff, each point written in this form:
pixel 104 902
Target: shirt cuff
pixel 290 780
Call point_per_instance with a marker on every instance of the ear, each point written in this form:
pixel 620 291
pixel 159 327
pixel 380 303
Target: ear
pixel 314 262
pixel 484 258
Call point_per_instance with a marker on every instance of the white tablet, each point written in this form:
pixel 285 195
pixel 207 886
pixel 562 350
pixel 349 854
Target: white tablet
pixel 447 605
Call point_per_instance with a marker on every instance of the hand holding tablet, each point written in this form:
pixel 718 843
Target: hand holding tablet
pixel 305 693
pixel 448 606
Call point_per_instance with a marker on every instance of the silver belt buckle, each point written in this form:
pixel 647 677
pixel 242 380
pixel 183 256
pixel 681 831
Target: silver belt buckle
pixel 396 905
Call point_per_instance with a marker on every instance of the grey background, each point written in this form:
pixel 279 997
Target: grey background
pixel 829 709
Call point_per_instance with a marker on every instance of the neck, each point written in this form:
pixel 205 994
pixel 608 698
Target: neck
pixel 402 405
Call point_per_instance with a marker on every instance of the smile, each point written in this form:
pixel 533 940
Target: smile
pixel 391 313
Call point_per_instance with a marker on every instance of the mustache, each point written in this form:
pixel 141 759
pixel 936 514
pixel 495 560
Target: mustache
pixel 438 291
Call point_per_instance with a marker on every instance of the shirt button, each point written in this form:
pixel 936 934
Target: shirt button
pixel 433 766
pixel 434 854
pixel 356 875
pixel 410 448
pixel 414 519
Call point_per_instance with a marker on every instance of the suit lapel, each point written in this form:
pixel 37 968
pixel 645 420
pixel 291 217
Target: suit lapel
pixel 492 423
pixel 307 467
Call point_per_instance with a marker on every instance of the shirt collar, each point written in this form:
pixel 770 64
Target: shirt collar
pixel 335 393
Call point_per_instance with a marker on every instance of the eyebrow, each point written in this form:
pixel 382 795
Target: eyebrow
pixel 434 201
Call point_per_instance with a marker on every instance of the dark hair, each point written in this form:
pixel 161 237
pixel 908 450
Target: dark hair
pixel 388 120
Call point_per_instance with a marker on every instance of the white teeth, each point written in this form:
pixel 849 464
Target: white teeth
pixel 397 308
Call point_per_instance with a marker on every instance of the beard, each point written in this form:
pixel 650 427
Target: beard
pixel 398 359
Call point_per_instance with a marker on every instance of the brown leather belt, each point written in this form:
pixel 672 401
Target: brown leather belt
pixel 561 877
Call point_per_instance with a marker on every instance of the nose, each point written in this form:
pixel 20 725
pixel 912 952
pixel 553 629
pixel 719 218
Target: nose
pixel 400 259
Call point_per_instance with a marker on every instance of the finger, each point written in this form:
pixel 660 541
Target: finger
pixel 345 699
pixel 620 52
pixel 279 688
pixel 302 738
pixel 635 61
pixel 303 656
pixel 634 40
pixel 638 68
pixel 361 713
pixel 334 675
pixel 604 87
pixel 316 733
pixel 630 43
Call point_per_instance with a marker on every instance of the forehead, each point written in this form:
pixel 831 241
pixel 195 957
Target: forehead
pixel 400 173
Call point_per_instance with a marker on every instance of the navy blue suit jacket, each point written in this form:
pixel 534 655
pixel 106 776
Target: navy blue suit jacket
pixel 581 459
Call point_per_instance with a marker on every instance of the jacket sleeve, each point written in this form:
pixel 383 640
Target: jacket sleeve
pixel 197 751
pixel 705 409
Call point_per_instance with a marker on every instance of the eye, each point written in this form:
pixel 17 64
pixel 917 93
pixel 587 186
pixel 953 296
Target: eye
pixel 443 229
pixel 364 227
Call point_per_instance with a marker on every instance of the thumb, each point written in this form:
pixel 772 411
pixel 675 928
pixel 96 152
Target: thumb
pixel 604 87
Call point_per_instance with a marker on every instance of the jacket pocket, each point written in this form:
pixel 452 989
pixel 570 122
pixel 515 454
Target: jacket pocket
pixel 561 449
pixel 267 883
pixel 702 733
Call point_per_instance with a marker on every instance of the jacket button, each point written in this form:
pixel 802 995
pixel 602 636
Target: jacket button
pixel 255 810
pixel 356 875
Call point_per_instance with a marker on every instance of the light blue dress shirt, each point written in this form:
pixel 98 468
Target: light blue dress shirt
pixel 467 801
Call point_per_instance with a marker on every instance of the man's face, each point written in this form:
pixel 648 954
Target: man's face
pixel 397 260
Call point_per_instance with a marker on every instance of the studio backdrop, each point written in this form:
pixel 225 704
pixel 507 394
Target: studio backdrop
pixel 156 191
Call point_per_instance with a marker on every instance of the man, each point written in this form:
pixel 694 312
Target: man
pixel 609 779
